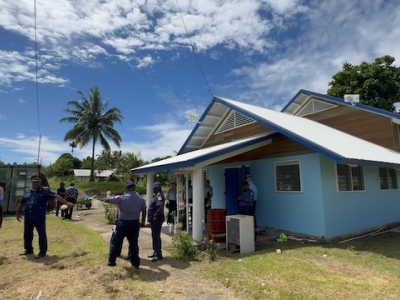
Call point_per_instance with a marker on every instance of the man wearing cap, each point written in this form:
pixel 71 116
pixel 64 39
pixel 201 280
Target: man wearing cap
pixel 156 219
pixel 245 200
pixel 253 187
pixel 130 206
pixel 35 202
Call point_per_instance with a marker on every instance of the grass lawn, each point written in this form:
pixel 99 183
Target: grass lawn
pixel 75 268
pixel 367 268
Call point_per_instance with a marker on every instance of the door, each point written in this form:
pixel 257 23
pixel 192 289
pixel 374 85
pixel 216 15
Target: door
pixel 233 181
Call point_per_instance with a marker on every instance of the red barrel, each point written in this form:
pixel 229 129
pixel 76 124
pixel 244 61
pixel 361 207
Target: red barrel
pixel 216 224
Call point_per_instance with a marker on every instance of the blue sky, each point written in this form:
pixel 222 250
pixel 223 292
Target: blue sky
pixel 138 54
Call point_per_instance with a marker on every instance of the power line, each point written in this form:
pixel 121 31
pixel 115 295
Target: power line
pixel 194 50
pixel 37 84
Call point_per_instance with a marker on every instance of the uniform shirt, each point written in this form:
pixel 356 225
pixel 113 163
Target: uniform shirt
pixel 71 192
pixel 254 189
pixel 35 203
pixel 247 194
pixel 158 200
pixel 130 205
pixel 61 191
pixel 171 194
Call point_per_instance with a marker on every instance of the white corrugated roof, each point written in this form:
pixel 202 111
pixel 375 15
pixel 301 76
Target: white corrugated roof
pixel 316 135
pixel 97 173
pixel 337 145
pixel 191 158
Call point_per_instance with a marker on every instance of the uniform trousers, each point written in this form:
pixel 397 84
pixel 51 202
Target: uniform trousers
pixel 40 226
pixel 130 230
pixel 156 235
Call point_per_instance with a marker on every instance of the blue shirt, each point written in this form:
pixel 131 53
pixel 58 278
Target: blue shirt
pixel 35 203
pixel 130 205
pixel 248 194
pixel 157 201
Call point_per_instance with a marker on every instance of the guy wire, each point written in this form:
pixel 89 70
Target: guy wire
pixel 194 50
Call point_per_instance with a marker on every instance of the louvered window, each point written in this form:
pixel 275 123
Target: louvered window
pixel 287 176
pixel 350 178
pixel 234 120
pixel 314 106
pixel 388 179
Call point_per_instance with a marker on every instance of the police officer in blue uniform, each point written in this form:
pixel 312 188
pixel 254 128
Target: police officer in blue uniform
pixel 130 205
pixel 245 200
pixel 35 201
pixel 156 219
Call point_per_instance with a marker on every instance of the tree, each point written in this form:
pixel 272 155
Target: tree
pixel 378 83
pixel 93 122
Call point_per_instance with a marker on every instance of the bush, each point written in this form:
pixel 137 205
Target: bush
pixel 209 250
pixel 110 213
pixel 183 248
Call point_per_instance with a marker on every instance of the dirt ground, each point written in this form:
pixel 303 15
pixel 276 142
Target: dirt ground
pixel 175 279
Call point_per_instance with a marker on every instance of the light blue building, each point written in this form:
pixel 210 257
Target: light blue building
pixel 322 166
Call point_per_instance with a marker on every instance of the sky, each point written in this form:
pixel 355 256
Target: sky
pixel 160 61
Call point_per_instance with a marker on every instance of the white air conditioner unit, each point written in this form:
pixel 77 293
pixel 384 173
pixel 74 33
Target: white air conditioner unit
pixel 352 98
pixel 240 233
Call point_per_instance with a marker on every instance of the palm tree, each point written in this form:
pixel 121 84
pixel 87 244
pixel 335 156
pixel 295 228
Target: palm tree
pixel 93 122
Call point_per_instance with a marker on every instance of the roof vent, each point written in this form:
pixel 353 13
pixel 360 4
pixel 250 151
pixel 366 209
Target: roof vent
pixel 314 106
pixel 234 120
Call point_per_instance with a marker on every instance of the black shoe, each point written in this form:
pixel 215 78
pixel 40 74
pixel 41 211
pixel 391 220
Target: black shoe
pixel 111 264
pixel 26 252
pixel 157 258
pixel 136 267
pixel 152 256
pixel 40 255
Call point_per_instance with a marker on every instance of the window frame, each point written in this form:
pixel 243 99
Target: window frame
pixel 387 173
pixel 284 164
pixel 350 178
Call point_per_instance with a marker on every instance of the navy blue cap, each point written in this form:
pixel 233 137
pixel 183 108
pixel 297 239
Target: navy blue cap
pixel 36 178
pixel 156 184
pixel 129 183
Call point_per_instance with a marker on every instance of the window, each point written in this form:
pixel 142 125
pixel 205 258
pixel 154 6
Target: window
pixel 388 179
pixel 287 175
pixel 350 178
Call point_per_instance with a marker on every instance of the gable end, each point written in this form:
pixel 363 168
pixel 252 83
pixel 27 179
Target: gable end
pixel 234 120
pixel 314 106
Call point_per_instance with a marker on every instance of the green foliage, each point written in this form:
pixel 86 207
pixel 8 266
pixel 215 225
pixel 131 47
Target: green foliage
pixel 113 178
pixel 110 213
pixel 183 248
pixel 378 83
pixel 282 238
pixel 209 250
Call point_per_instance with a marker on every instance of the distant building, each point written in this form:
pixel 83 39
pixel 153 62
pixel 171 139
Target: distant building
pixel 99 175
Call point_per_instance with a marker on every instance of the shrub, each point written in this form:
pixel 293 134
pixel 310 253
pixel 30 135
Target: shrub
pixel 183 248
pixel 110 213
pixel 209 250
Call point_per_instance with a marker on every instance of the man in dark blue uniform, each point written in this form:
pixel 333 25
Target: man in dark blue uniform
pixel 245 200
pixel 34 201
pixel 130 205
pixel 156 219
